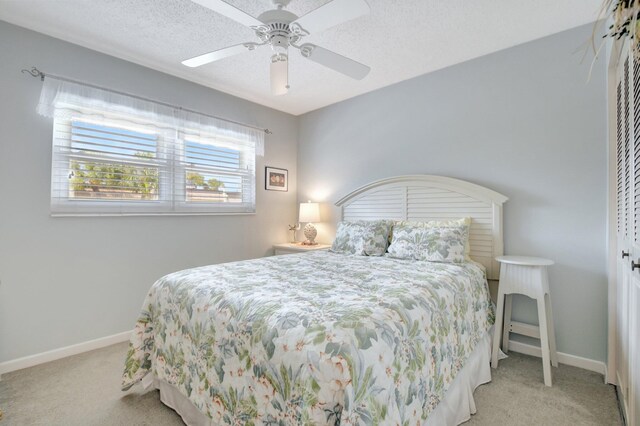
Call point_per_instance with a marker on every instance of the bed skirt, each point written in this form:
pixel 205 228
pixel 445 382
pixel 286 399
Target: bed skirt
pixel 458 404
pixel 456 407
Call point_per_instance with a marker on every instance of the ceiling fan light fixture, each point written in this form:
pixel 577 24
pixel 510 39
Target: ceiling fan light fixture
pixel 279 44
pixel 279 74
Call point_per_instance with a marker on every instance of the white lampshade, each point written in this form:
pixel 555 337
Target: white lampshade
pixel 309 212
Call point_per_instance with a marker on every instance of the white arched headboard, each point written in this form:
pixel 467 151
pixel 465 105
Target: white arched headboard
pixel 427 197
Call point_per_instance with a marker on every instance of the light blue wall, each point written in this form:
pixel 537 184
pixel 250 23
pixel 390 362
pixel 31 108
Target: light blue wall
pixel 524 122
pixel 68 280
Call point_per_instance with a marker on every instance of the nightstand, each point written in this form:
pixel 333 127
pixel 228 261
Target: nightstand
pixel 528 276
pixel 290 248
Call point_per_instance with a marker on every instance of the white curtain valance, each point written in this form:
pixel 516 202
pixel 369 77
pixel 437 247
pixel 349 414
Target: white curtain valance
pixel 61 99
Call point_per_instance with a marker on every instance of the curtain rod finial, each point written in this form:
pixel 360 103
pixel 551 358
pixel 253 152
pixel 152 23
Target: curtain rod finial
pixel 34 72
pixel 268 132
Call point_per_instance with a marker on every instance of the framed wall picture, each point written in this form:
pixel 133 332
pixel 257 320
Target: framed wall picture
pixel 276 179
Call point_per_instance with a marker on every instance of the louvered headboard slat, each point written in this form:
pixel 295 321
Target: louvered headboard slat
pixel 427 197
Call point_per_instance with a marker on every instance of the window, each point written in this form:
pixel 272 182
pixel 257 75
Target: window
pixel 115 167
pixel 216 172
pixel 110 163
pixel 211 173
pixel 112 160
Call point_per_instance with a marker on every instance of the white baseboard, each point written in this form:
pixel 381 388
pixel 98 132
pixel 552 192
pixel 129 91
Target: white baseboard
pixel 41 358
pixel 563 358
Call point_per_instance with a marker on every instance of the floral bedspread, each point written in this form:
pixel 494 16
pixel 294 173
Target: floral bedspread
pixel 315 338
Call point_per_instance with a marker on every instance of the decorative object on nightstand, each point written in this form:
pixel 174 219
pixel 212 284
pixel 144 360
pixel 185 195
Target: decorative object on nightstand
pixel 528 276
pixel 293 229
pixel 310 213
pixel 288 248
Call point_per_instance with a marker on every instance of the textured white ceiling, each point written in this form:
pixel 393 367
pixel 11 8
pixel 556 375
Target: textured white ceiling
pixel 400 39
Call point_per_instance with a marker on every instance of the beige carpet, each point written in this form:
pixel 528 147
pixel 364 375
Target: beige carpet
pixel 85 390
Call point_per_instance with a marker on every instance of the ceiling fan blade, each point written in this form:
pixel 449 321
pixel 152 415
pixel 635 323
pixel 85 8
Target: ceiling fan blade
pixel 280 76
pixel 336 62
pixel 216 55
pixel 229 11
pixel 333 13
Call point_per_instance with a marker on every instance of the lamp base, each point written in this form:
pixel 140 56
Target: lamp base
pixel 310 232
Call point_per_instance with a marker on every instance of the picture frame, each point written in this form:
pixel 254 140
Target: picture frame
pixel 276 179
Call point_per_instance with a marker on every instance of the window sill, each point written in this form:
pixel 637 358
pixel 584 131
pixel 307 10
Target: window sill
pixel 172 214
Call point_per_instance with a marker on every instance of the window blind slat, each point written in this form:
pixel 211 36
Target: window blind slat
pixel 204 149
pixel 109 143
pixel 192 159
pixel 94 156
pixel 81 127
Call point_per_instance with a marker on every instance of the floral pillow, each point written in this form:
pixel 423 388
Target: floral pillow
pixel 453 223
pixel 362 237
pixel 445 244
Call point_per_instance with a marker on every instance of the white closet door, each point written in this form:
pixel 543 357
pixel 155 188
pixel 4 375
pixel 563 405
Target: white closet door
pixel 633 393
pixel 624 243
pixel 628 234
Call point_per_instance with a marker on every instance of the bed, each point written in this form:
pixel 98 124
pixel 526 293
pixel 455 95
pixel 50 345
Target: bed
pixel 323 338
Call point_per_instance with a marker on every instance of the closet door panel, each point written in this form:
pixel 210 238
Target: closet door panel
pixel 623 183
pixel 633 304
pixel 632 400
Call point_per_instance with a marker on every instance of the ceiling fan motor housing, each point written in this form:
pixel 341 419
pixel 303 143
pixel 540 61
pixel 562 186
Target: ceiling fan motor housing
pixel 276 30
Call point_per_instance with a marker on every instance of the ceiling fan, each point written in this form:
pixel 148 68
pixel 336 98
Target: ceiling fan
pixel 281 29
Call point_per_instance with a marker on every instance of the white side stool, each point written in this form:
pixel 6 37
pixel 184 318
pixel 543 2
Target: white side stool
pixel 528 276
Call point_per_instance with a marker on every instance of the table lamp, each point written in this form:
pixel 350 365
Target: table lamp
pixel 309 213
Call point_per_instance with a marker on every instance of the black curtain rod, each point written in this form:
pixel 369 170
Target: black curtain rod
pixel 35 72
